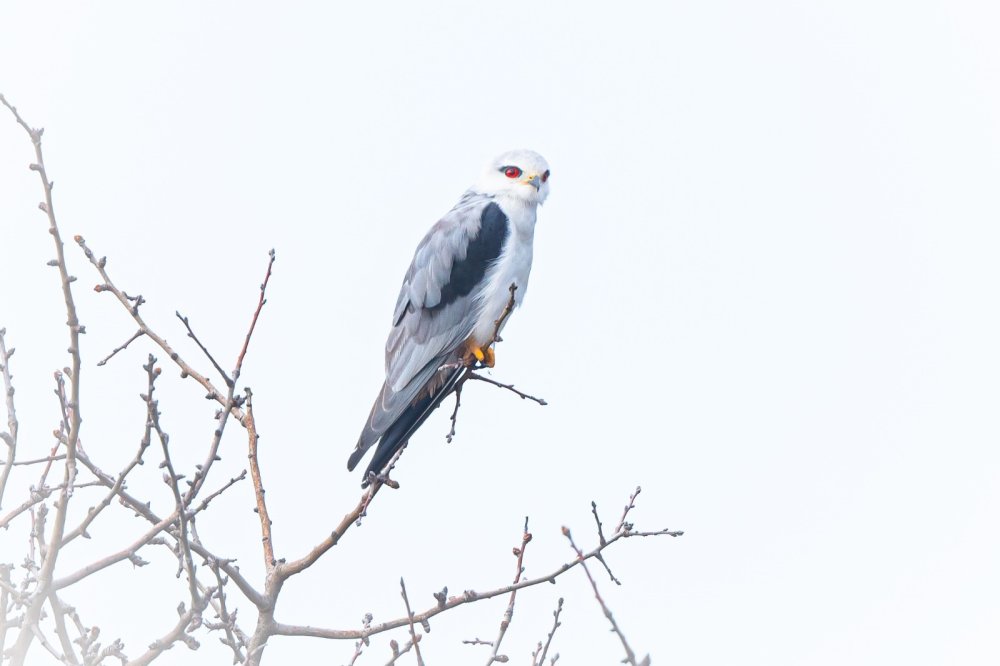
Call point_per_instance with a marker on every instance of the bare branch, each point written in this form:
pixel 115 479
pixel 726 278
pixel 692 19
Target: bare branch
pixel 509 613
pixel 179 633
pixel 118 484
pixel 629 654
pixel 36 496
pixel 122 347
pixel 258 486
pixel 469 596
pixel 285 570
pixel 600 528
pixel 509 387
pixel 173 481
pixel 507 310
pixel 142 509
pixel 133 310
pixel 190 332
pixel 628 507
pixel 397 653
pixel 539 659
pixel 59 618
pixel 458 403
pixel 34 609
pixel 235 638
pixel 9 437
pixel 256 314
pixel 409 615
pixel 48 460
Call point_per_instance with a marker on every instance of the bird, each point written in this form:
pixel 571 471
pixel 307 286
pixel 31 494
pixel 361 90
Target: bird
pixel 469 268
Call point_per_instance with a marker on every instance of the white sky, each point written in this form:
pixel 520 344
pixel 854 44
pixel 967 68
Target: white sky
pixel 765 289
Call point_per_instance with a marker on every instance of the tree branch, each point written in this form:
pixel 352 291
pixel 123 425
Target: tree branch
pixel 133 310
pixel 258 486
pixel 34 609
pixel 509 613
pixel 468 596
pixel 9 437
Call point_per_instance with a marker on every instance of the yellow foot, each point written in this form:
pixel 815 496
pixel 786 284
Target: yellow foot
pixel 484 355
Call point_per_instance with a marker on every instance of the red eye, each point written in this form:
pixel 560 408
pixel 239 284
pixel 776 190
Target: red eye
pixel 545 176
pixel 511 172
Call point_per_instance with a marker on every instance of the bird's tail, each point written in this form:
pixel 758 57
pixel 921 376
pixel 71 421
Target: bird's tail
pixel 399 433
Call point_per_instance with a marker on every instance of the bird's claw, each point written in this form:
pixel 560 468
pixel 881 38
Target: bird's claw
pixel 382 479
pixel 481 357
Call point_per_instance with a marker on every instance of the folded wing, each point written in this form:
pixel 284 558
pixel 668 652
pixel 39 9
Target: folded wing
pixel 438 305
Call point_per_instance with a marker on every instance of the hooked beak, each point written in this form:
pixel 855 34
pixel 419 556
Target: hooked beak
pixel 534 180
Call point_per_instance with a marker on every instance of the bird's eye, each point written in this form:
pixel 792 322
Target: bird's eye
pixel 545 176
pixel 511 172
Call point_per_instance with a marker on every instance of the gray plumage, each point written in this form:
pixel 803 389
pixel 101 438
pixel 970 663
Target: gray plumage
pixel 452 296
pixel 433 317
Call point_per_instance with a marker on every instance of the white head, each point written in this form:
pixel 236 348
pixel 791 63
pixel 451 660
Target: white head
pixel 522 175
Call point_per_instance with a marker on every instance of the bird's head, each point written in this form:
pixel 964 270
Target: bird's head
pixel 522 175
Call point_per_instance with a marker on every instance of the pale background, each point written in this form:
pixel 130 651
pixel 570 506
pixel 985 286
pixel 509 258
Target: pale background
pixel 765 289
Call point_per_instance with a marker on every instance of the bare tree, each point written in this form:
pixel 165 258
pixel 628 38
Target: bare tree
pixel 34 616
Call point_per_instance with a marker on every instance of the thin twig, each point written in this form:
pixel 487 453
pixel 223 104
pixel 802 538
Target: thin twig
pixel 409 615
pixel 173 481
pixel 600 528
pixel 119 483
pixel 190 332
pixel 127 301
pixel 548 641
pixel 143 509
pixel 36 496
pixel 469 596
pixel 256 314
pixel 629 654
pixel 458 403
pixel 235 638
pixel 628 507
pixel 48 460
pixel 509 387
pixel 397 652
pixel 509 613
pixel 122 347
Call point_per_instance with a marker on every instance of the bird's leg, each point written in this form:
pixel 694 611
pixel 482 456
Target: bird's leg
pixel 476 354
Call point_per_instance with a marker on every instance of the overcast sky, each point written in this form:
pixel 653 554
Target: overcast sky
pixel 765 289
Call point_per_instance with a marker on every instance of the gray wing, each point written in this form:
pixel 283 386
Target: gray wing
pixel 437 308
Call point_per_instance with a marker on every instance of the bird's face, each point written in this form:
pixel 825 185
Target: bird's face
pixel 522 175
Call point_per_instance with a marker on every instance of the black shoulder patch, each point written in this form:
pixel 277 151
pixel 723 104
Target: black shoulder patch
pixel 482 251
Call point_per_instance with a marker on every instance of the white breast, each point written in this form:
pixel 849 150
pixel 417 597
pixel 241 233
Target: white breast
pixel 512 267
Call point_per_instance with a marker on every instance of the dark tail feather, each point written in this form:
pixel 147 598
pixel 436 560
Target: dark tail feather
pixel 403 428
